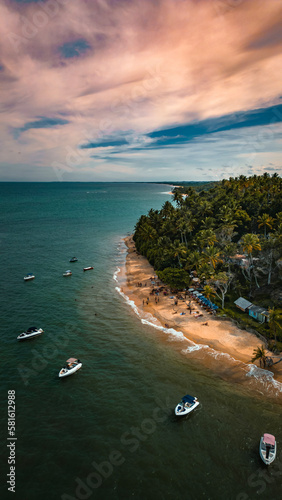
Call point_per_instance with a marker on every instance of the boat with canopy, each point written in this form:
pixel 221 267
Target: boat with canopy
pixel 187 404
pixel 30 333
pixel 267 448
pixel 72 365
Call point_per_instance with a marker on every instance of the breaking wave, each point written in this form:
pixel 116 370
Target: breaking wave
pixel 264 377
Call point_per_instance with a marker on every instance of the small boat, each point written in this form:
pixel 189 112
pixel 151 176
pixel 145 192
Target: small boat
pixel 187 404
pixel 71 367
pixel 29 276
pixel 73 259
pixel 67 273
pixel 30 333
pixel 267 448
pixel 88 268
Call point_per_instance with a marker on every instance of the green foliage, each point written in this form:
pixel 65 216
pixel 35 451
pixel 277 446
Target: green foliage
pixel 175 278
pixel 207 225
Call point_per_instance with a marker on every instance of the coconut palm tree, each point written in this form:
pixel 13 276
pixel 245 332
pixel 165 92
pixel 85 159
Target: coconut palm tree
pixel 250 243
pixel 209 291
pixel 212 255
pixel 259 354
pixel 275 317
pixel 205 238
pixel 195 260
pixel 265 221
pixel 178 250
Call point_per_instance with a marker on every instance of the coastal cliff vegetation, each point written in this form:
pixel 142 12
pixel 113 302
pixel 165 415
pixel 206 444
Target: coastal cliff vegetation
pixel 227 240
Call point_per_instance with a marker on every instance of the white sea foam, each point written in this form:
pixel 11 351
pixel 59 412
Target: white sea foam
pixel 131 303
pixel 194 347
pixel 264 377
pixel 116 274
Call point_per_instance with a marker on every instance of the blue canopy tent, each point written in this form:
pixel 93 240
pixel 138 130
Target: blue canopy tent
pixel 188 399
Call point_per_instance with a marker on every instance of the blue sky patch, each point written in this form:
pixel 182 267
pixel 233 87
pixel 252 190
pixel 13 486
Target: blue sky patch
pixel 105 144
pixel 75 48
pixel 42 122
pixel 185 133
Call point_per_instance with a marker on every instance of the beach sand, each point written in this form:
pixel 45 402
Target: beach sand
pixel 221 335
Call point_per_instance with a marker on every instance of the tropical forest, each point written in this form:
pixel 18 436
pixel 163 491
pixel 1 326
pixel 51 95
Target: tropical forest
pixel 226 239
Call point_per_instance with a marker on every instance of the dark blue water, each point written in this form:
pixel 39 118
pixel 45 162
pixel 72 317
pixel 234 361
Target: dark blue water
pixel 108 432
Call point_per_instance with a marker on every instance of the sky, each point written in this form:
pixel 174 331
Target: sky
pixel 140 90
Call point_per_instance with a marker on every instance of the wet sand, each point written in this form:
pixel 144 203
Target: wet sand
pixel 221 335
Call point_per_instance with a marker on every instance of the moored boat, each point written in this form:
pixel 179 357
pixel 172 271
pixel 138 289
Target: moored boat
pixel 88 268
pixel 67 273
pixel 267 448
pixel 73 259
pixel 30 333
pixel 29 277
pixel 187 404
pixel 72 365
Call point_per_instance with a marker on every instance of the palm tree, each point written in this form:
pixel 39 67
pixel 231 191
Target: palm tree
pixel 177 197
pixel 195 259
pixel 207 223
pixel 265 221
pixel 178 250
pixel 147 232
pixel 274 321
pixel 260 354
pixel 250 243
pixel 209 291
pixel 167 210
pixel 207 237
pixel 212 256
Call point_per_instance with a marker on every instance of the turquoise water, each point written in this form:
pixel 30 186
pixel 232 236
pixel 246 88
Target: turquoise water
pixel 109 431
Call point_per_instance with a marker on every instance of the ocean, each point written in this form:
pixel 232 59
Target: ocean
pixel 109 431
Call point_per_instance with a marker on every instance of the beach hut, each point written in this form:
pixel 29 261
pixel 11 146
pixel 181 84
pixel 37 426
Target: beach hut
pixel 258 313
pixel 243 304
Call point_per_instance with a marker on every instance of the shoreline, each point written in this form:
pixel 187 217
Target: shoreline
pixel 199 326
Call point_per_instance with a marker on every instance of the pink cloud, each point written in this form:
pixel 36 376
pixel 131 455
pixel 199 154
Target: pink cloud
pixel 150 65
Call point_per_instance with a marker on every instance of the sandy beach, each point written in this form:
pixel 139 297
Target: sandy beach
pixel 198 326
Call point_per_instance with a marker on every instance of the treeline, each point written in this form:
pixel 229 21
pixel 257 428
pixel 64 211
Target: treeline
pixel 197 185
pixel 229 237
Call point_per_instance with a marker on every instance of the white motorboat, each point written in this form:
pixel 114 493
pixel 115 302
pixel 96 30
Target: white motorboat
pixel 71 367
pixel 267 448
pixel 29 277
pixel 187 404
pixel 30 333
pixel 73 259
pixel 67 273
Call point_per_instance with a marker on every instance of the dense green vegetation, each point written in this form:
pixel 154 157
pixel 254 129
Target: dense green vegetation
pixel 197 185
pixel 228 236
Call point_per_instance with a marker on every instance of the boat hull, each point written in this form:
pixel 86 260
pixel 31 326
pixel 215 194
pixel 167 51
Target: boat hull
pixel 87 268
pixel 63 374
pixel 29 278
pixel 30 335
